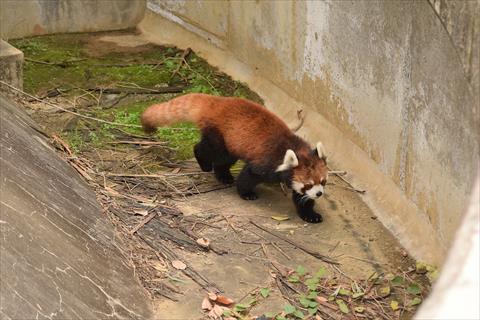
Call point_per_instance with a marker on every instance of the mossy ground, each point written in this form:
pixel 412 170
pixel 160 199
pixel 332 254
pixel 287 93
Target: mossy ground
pixel 75 64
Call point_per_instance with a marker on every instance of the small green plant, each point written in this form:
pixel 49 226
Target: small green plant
pixel 74 140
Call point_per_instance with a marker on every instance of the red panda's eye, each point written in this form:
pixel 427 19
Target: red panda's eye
pixel 323 182
pixel 308 186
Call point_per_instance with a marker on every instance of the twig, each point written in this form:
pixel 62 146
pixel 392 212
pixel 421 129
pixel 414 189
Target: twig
pixel 337 172
pixel 84 116
pixel 280 250
pixel 185 53
pixel 69 111
pixel 247 294
pixel 284 188
pixel 264 249
pixel 350 184
pixel 299 246
pixel 189 271
pixel 301 117
pixel 142 223
pixel 62 64
pixel 365 260
pixel 64 145
pixel 229 223
pixel 140 90
pixel 80 170
pixel 144 142
pixel 123 65
pixel 202 222
pixel 281 286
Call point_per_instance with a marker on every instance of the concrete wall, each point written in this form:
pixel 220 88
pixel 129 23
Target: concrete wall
pixel 22 18
pixel 396 81
pixel 59 256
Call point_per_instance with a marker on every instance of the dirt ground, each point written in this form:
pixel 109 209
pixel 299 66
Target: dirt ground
pixel 187 235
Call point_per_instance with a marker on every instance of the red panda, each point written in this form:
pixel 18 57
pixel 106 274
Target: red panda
pixel 235 128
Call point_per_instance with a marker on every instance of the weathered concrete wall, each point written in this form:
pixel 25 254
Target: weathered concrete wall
pixel 22 18
pixel 58 254
pixel 395 82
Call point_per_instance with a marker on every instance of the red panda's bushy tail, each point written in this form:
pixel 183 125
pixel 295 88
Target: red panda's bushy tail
pixel 184 108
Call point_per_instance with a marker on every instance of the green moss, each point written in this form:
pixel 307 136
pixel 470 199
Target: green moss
pixel 65 62
pixel 181 137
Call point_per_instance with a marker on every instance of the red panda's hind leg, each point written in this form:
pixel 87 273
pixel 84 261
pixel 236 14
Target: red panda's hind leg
pixel 211 153
pixel 203 156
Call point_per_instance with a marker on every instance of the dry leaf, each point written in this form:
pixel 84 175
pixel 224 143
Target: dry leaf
pixel 216 312
pixel 206 304
pixel 224 300
pixel 212 296
pixel 280 218
pixel 176 170
pixel 179 265
pixel 203 242
pixel 321 299
pixel 141 212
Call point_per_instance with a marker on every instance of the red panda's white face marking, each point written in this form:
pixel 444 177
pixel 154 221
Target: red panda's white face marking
pixel 309 177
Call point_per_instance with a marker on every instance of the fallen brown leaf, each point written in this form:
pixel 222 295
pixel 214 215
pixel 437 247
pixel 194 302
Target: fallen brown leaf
pixel 206 304
pixel 203 242
pixel 280 218
pixel 141 212
pixel 179 265
pixel 212 296
pixel 224 300
pixel 216 312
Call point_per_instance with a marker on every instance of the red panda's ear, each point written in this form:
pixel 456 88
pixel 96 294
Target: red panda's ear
pixel 321 151
pixel 290 161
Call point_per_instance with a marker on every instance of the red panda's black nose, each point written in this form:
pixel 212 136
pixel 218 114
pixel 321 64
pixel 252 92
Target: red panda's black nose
pixel 319 193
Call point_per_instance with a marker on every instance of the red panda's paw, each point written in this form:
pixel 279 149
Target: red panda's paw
pixel 312 217
pixel 249 196
pixel 225 178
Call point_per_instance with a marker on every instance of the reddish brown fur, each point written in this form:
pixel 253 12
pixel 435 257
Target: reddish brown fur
pixel 246 126
pixel 310 169
pixel 250 131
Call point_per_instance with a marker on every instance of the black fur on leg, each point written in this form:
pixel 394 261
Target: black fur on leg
pixel 222 172
pixel 203 155
pixel 304 208
pixel 246 182
pixel 211 153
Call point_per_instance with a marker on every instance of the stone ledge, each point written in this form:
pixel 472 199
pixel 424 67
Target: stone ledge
pixel 11 65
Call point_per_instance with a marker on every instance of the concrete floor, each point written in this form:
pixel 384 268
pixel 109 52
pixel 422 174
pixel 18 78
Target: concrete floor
pixel 349 232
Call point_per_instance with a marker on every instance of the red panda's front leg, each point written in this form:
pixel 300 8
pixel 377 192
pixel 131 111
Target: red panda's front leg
pixel 304 206
pixel 246 182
